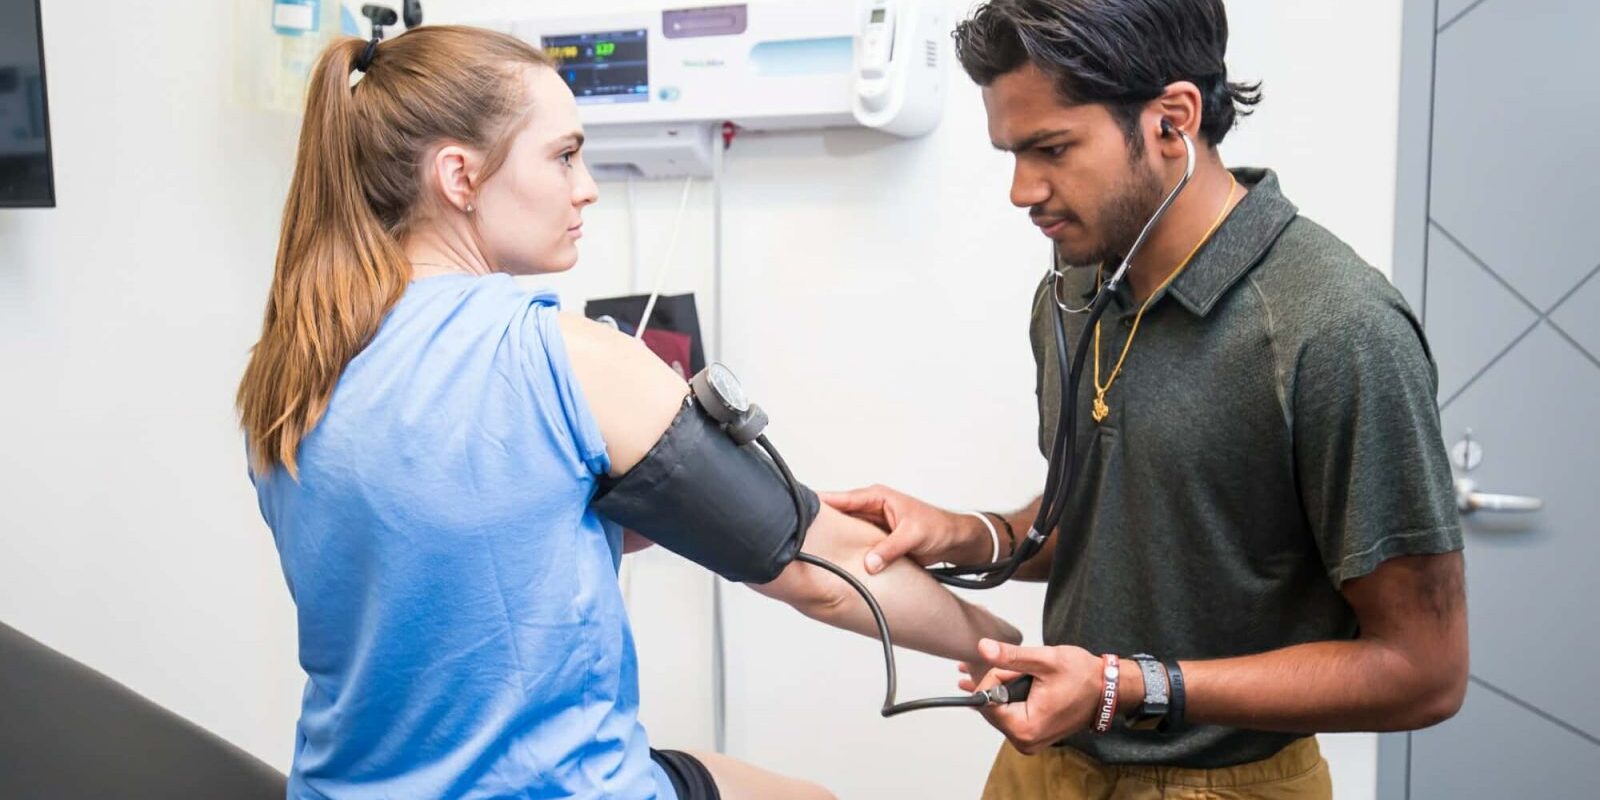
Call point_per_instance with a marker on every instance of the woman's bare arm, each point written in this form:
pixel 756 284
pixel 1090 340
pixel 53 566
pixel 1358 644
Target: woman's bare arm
pixel 634 398
pixel 923 615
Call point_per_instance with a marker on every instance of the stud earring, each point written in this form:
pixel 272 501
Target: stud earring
pixel 469 208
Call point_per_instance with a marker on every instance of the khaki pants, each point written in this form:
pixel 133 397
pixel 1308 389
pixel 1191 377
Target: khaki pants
pixel 1298 772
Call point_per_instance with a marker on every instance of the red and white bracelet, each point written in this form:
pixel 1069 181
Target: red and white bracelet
pixel 1109 676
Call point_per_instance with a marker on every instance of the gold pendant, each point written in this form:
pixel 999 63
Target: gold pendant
pixel 1101 410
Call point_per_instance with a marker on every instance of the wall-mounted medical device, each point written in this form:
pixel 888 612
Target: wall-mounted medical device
pixel 898 84
pixel 655 85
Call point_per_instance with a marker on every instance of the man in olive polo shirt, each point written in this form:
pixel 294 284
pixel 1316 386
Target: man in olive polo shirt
pixel 1266 510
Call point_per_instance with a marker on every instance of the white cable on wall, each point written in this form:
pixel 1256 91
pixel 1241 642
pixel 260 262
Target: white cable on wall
pixel 666 263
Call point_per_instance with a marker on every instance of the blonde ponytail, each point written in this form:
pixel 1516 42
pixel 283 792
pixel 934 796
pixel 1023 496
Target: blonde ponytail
pixel 357 182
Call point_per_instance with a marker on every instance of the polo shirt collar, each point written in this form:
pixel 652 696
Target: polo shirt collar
pixel 1238 245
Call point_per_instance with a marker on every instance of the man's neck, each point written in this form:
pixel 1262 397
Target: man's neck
pixel 1186 223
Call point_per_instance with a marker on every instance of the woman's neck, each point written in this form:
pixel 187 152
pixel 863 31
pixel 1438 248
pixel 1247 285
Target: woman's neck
pixel 432 252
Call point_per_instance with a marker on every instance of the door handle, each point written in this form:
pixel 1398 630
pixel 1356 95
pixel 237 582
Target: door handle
pixel 1469 499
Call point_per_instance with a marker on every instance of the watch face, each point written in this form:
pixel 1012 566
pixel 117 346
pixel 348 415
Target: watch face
pixel 1155 681
pixel 728 388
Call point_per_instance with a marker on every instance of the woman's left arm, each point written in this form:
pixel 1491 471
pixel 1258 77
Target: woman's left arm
pixel 922 613
pixel 634 398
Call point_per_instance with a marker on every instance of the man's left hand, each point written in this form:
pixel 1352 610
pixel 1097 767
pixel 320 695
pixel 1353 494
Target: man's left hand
pixel 1065 695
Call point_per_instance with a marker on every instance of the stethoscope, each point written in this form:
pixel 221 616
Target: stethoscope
pixel 718 390
pixel 1065 461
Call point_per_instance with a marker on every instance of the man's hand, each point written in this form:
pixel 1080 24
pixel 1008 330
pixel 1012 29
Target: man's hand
pixel 928 534
pixel 1063 700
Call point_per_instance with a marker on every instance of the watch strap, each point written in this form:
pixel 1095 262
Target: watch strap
pixel 1176 702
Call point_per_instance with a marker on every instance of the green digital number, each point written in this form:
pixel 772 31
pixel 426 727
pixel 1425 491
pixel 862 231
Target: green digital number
pixel 604 49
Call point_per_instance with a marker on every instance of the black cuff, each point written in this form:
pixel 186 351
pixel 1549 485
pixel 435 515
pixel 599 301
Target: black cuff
pixel 722 506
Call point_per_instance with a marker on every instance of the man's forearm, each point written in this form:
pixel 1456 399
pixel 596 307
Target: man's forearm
pixel 979 546
pixel 922 614
pixel 1036 568
pixel 1360 685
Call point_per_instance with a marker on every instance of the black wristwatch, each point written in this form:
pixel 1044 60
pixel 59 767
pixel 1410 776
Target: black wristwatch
pixel 1151 713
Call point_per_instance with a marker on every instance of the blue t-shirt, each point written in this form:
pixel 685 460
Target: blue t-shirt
pixel 460 623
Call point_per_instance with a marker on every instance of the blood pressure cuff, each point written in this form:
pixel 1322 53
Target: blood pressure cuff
pixel 722 506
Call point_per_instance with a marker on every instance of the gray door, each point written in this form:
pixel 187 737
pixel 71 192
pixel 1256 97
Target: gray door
pixel 1498 246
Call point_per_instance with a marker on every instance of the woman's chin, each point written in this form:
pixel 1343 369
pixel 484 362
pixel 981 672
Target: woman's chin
pixel 562 259
pixel 565 263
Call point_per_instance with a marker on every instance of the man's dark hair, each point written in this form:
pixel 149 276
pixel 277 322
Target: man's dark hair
pixel 1120 53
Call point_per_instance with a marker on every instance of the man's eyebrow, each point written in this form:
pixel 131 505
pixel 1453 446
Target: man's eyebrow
pixel 1033 140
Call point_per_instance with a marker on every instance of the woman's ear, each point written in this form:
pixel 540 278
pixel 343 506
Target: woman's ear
pixel 455 170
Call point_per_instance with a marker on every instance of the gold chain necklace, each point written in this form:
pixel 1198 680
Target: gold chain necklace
pixel 1101 410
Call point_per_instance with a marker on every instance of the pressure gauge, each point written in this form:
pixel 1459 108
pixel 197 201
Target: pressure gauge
pixel 728 387
pixel 719 392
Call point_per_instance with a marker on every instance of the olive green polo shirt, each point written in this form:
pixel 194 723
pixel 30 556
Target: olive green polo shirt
pixel 1273 433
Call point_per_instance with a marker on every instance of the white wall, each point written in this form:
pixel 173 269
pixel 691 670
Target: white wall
pixel 877 297
pixel 128 532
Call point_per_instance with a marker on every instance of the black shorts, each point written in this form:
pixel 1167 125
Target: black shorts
pixel 690 778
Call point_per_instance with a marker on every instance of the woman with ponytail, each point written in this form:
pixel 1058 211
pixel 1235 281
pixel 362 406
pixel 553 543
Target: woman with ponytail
pixel 425 436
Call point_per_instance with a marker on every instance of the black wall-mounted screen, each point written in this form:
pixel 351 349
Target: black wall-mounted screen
pixel 26 177
pixel 609 67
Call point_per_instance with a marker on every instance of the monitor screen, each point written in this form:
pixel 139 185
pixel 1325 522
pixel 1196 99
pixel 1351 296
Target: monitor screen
pixel 608 67
pixel 26 178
